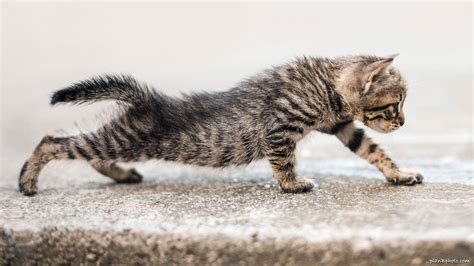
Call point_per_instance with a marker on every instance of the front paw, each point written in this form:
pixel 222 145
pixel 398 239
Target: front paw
pixel 298 185
pixel 405 178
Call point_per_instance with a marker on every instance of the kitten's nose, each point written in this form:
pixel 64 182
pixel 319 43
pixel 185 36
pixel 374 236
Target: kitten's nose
pixel 401 120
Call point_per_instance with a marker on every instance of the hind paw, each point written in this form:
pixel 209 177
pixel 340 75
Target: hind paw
pixel 132 177
pixel 298 185
pixel 27 188
pixel 27 182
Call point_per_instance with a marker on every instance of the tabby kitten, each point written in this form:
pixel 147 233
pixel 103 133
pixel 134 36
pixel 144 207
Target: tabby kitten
pixel 264 116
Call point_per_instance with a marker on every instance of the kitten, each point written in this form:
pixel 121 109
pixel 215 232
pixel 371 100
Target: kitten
pixel 264 116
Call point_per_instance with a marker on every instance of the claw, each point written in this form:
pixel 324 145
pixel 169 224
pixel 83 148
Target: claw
pixel 412 181
pixel 26 191
pixel 405 177
pixel 419 178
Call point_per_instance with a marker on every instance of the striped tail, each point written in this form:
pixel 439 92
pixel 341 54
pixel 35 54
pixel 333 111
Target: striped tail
pixel 107 87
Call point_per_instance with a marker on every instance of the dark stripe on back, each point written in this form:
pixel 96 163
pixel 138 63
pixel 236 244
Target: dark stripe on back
pixel 129 137
pixel 119 142
pixel 70 154
pixel 308 79
pixel 307 95
pixel 356 140
pixel 110 150
pixel 93 146
pixel 143 136
pixel 294 117
pixel 58 140
pixel 333 97
pixel 299 108
pixel 82 152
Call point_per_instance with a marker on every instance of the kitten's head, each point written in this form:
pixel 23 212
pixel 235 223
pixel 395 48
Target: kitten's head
pixel 379 92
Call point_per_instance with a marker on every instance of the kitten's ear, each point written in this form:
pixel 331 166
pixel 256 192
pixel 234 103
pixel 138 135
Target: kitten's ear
pixel 377 68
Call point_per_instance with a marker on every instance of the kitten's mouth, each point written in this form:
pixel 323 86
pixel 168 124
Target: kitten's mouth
pixel 394 127
pixel 381 129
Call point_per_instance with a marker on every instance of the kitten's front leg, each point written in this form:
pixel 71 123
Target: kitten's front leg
pixel 356 140
pixel 281 155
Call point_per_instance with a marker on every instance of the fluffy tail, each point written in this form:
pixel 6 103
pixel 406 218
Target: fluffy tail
pixel 107 87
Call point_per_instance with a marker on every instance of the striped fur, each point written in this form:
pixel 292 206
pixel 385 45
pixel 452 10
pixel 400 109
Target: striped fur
pixel 264 116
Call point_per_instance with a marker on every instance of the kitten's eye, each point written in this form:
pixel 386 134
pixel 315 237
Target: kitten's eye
pixel 375 109
pixel 382 107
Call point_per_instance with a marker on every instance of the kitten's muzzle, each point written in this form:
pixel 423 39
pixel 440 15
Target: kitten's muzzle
pixel 401 121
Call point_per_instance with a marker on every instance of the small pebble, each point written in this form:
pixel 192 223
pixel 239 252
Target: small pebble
pixel 90 256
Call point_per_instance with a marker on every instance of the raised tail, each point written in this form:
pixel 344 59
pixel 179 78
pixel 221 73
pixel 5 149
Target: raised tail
pixel 107 87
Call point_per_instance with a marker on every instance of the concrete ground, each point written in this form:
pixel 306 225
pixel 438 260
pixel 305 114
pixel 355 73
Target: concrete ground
pixel 188 215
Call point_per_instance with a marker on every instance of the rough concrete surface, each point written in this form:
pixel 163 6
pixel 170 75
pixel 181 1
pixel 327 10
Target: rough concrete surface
pixel 188 215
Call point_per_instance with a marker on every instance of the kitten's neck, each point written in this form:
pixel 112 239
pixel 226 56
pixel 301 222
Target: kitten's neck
pixel 348 86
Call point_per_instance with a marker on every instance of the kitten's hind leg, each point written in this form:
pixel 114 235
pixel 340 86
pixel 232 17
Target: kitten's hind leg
pixel 28 179
pixel 48 149
pixel 117 173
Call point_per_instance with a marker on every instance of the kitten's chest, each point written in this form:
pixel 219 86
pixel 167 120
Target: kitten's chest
pixel 327 126
pixel 322 126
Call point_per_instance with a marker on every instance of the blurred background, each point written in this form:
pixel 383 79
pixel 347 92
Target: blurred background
pixel 183 47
